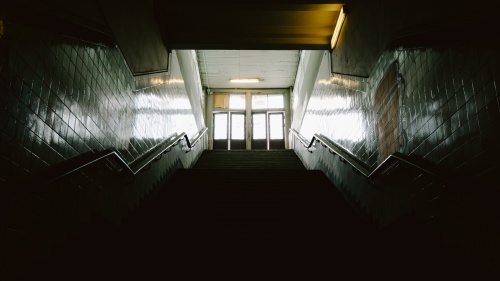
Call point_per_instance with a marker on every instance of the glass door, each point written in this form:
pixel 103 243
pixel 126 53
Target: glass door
pixel 237 132
pixel 259 131
pixel 268 130
pixel 229 131
pixel 220 131
pixel 276 130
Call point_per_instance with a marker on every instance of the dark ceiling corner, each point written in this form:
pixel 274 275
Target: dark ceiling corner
pixel 135 29
pixel 86 24
pixel 461 29
pixel 372 27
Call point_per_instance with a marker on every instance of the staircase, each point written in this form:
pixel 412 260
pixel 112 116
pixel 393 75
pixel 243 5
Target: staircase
pixel 240 214
pixel 255 195
pixel 250 210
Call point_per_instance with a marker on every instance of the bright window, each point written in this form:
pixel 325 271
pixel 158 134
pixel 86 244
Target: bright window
pixel 220 128
pixel 237 126
pixel 275 101
pixel 259 126
pixel 237 101
pixel 267 101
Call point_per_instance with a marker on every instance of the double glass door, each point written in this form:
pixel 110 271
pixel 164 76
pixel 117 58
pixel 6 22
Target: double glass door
pixel 268 130
pixel 230 131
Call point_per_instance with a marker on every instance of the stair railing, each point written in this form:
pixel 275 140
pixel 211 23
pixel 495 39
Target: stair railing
pixel 361 167
pixel 76 163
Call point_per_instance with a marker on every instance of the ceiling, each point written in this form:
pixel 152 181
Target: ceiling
pixel 240 39
pixel 145 31
pixel 273 68
pixel 254 25
pixel 257 39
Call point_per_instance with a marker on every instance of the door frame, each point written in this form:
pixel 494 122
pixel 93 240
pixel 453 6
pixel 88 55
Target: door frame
pixel 229 132
pixel 268 125
pixel 210 110
pixel 275 112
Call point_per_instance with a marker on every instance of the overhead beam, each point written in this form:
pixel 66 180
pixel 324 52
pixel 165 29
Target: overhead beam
pixel 255 6
pixel 263 25
pixel 249 18
pixel 253 91
pixel 256 30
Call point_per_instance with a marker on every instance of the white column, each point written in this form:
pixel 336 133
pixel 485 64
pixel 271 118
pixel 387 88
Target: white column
pixel 287 121
pixel 248 121
pixel 209 116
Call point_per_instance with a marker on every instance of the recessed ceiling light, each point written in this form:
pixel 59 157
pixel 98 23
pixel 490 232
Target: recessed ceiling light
pixel 252 80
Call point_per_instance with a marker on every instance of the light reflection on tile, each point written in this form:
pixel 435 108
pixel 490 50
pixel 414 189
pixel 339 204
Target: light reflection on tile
pixel 449 99
pixel 62 97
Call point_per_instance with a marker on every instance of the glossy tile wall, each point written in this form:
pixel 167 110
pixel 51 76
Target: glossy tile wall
pixel 449 114
pixel 61 97
pixel 449 108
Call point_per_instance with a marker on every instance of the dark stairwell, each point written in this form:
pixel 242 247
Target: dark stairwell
pixel 247 213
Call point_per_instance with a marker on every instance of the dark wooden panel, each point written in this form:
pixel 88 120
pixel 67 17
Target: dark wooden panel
pixel 387 108
pixel 238 144
pixel 259 144
pixel 220 144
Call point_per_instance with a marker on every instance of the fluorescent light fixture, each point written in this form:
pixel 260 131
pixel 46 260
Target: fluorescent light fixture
pixel 252 80
pixel 338 26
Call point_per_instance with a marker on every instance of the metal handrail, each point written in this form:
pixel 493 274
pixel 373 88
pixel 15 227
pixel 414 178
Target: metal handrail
pixel 360 166
pixel 140 164
pixel 79 162
pixel 196 138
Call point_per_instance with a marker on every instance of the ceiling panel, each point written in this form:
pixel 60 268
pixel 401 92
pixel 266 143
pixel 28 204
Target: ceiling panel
pixel 274 68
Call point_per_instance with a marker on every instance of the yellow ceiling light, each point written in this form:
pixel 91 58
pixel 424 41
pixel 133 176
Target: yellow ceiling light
pixel 251 80
pixel 338 27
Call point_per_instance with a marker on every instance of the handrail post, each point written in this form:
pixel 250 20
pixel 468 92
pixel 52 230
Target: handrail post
pixel 187 143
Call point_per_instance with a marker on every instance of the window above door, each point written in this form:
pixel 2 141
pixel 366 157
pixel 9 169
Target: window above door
pixel 258 101
pixel 272 101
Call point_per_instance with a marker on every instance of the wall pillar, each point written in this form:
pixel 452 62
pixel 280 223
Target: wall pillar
pixel 210 119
